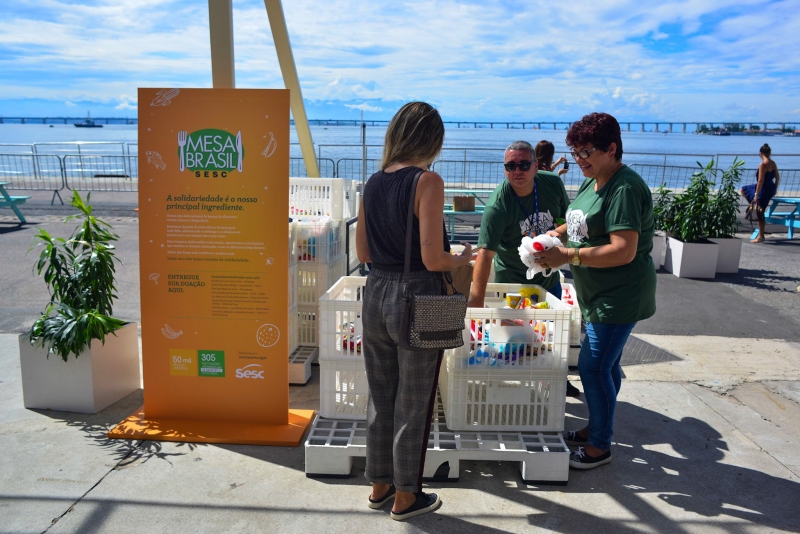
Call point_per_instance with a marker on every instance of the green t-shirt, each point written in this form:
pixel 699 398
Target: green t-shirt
pixel 626 293
pixel 504 224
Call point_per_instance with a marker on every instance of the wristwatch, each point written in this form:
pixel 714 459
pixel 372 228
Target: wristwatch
pixel 576 259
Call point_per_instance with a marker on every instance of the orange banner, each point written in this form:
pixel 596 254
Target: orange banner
pixel 213 197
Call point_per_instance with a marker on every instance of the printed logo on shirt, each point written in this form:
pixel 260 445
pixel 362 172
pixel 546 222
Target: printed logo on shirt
pixel 527 226
pixel 576 225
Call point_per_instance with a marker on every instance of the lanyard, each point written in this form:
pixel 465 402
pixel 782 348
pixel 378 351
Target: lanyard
pixel 535 209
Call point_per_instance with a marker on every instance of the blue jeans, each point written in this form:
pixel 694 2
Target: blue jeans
pixel 601 376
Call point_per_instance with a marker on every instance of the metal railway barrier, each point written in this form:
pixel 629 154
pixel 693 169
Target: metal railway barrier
pixel 327 167
pixel 30 172
pixel 101 173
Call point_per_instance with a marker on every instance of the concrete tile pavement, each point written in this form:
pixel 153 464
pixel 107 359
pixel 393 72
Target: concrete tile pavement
pixel 701 444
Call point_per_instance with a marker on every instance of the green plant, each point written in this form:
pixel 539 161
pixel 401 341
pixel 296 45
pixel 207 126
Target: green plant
pixel 689 212
pixel 662 212
pixel 724 214
pixel 79 273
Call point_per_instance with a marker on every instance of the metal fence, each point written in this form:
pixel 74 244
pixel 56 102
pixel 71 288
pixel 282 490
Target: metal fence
pixel 351 168
pixel 327 167
pixel 40 172
pixel 102 173
pixel 32 173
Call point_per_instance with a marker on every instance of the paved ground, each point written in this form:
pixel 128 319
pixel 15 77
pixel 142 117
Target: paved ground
pixel 704 442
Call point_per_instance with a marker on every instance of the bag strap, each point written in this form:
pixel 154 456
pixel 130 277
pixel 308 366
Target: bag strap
pixel 409 230
pixel 447 278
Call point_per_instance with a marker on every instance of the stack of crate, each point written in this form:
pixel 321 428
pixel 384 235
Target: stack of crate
pixel 318 207
pixel 511 372
pixel 343 389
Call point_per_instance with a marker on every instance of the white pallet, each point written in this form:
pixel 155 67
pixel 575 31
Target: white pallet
pixel 543 457
pixel 300 365
pixel 314 279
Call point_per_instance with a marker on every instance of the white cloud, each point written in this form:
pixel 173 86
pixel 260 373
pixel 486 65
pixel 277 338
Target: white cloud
pixel 364 107
pixel 70 104
pixel 680 57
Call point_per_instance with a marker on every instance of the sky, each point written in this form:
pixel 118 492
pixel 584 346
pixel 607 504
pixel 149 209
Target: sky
pixel 671 60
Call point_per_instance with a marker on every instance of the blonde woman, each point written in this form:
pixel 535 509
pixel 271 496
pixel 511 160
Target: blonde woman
pixel 402 383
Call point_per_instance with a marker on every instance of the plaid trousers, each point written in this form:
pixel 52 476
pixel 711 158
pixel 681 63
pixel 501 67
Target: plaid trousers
pixel 402 383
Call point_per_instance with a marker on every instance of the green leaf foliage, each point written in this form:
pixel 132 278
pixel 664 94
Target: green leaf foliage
pixel 79 273
pixel 724 219
pixel 695 214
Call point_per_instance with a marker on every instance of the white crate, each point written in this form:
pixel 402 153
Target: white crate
pixel 300 361
pixel 293 289
pixel 319 239
pixel 314 279
pixel 308 329
pixel 353 253
pixel 522 346
pixel 322 197
pixel 292 243
pixel 294 329
pixel 575 317
pixel 340 326
pixel 343 390
pixel 543 457
pixel 531 400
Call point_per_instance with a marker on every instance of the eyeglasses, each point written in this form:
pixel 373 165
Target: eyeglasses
pixel 523 165
pixel 582 154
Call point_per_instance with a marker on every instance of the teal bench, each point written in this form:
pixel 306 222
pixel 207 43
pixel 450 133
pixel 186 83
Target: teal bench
pixel 7 201
pixel 789 218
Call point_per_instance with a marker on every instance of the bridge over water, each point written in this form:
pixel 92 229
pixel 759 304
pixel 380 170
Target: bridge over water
pixel 628 126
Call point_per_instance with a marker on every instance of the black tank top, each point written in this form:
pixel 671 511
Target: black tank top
pixel 386 199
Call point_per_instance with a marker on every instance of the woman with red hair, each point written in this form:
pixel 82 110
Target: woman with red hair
pixel 609 236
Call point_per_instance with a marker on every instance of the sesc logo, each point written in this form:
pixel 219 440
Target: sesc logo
pixel 253 370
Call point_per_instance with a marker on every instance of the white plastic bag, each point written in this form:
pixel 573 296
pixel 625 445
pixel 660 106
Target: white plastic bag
pixel 531 246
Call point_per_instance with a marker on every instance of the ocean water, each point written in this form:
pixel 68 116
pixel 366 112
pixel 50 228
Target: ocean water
pixel 464 144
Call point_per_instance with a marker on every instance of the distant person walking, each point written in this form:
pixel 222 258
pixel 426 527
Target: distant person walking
pixel 402 383
pixel 760 193
pixel 545 151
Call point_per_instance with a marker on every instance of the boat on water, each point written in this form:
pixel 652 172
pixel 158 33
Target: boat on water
pixel 88 123
pixel 722 132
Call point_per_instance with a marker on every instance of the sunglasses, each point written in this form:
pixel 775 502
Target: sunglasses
pixel 523 165
pixel 582 154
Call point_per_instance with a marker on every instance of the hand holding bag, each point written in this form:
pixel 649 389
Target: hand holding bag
pixel 429 321
pixel 751 212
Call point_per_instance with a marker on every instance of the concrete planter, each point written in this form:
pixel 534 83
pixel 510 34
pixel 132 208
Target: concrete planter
pixel 97 378
pixel 659 247
pixel 730 250
pixel 691 260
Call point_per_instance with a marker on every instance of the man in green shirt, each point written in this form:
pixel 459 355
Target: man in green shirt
pixel 526 203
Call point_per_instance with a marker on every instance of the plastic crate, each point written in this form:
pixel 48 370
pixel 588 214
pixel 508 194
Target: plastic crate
pixel 307 325
pixel 343 392
pixel 292 243
pixel 294 329
pixel 293 281
pixel 314 279
pixel 319 239
pixel 322 197
pixel 504 399
pixel 340 326
pixel 352 252
pixel 517 339
pixel 576 316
